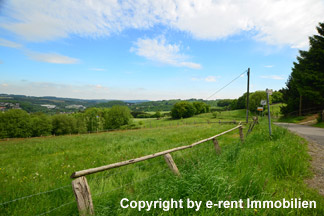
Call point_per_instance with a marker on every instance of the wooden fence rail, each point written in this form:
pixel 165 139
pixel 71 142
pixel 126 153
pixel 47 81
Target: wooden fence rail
pixel 82 190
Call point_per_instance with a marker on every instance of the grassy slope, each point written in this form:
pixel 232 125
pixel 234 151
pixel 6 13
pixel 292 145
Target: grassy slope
pixel 261 169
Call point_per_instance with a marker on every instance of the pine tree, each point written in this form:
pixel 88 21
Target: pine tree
pixel 305 86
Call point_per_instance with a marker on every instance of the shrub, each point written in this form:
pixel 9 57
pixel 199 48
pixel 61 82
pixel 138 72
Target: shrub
pixel 118 116
pixel 182 109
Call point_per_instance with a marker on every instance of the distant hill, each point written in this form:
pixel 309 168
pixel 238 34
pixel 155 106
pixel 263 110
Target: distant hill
pixel 50 104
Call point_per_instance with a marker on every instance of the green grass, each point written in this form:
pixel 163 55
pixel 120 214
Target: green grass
pixel 319 124
pixel 238 115
pixel 261 168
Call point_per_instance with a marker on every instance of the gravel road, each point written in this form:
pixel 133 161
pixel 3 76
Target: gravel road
pixel 310 133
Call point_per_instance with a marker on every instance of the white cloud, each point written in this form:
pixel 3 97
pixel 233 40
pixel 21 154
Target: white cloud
pixel 51 58
pixel 274 77
pixel 269 66
pixel 8 43
pixel 4 85
pixel 279 22
pixel 158 50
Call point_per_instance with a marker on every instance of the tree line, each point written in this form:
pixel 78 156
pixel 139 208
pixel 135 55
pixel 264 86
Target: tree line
pixel 305 85
pixel 254 100
pixel 18 123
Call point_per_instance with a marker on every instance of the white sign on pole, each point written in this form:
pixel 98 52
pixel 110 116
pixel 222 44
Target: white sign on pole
pixel 269 91
pixel 263 102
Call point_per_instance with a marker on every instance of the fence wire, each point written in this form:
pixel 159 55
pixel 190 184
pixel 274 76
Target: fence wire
pixel 37 194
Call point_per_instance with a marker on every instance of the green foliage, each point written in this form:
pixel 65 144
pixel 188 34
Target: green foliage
pixel 277 97
pixel 15 123
pixel 201 107
pixel 241 102
pixel 224 102
pixel 110 104
pixel 157 115
pixel 182 109
pixel 41 125
pixel 255 99
pixel 63 124
pixel 93 119
pixel 118 116
pixel 306 82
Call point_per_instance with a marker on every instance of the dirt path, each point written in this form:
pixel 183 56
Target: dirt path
pixel 315 136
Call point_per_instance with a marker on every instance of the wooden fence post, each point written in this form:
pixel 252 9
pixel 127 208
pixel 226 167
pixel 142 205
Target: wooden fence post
pixel 82 194
pixel 171 164
pixel 241 133
pixel 217 147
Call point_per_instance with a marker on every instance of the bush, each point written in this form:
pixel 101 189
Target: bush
pixel 118 116
pixel 41 125
pixel 201 107
pixel 63 124
pixel 15 123
pixel 182 109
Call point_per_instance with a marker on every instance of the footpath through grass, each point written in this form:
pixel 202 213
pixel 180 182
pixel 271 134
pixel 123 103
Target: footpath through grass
pixel 260 169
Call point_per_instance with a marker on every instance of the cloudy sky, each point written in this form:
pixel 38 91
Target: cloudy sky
pixel 109 49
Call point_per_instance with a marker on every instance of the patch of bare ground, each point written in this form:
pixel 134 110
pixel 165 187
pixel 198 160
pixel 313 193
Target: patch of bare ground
pixel 309 120
pixel 316 151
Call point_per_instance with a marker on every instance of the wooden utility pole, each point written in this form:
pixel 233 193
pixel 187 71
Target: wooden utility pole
pixel 269 117
pixel 247 95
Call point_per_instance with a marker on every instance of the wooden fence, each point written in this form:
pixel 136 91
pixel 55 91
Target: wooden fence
pixel 82 190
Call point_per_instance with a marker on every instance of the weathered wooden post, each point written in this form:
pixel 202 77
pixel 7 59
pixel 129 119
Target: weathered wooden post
pixel 82 194
pixel 241 133
pixel 171 164
pixel 217 147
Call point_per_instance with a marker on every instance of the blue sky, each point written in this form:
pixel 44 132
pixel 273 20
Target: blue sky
pixel 151 50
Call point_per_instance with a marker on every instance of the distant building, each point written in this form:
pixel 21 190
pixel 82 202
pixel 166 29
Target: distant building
pixel 49 106
pixel 74 106
pixel 5 106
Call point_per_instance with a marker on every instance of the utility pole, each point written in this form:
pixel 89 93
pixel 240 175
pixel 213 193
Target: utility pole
pixel 269 117
pixel 247 95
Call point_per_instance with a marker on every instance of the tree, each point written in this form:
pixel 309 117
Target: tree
pixel 81 126
pixel 15 123
pixel 157 115
pixel 118 116
pixel 255 99
pixel 201 107
pixel 93 119
pixel 41 125
pixel 305 85
pixel 277 97
pixel 241 102
pixel 63 124
pixel 182 109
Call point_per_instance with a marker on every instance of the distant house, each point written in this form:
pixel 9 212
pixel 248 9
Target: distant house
pixel 49 106
pixel 74 106
pixel 4 106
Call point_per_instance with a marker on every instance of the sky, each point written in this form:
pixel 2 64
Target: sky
pixel 151 50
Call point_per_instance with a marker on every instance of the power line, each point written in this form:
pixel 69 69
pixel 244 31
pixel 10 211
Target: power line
pixel 226 85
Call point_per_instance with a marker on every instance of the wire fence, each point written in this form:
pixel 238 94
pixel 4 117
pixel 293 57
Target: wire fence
pixel 32 195
pixel 92 179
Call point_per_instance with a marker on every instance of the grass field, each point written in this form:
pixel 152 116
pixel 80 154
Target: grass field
pixel 260 169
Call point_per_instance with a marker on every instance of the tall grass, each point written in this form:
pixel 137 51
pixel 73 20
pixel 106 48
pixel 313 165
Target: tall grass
pixel 261 168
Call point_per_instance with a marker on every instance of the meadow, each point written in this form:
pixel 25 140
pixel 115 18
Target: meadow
pixel 261 168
